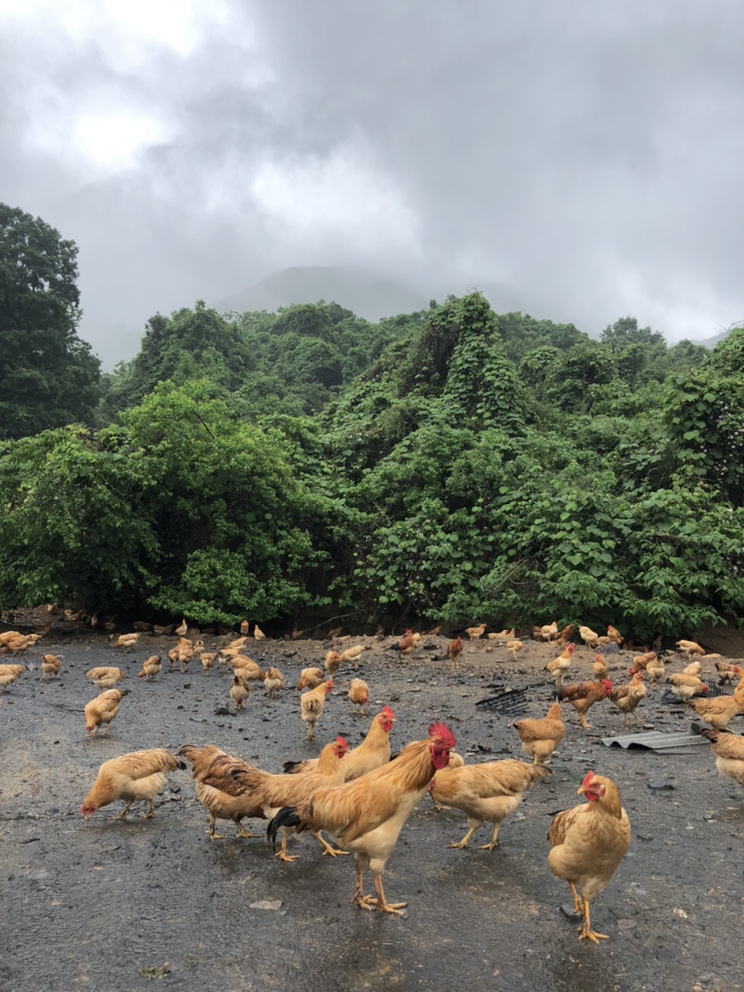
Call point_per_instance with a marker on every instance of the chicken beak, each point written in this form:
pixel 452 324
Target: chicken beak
pixel 581 790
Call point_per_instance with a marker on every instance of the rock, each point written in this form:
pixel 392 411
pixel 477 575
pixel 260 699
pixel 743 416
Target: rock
pixel 661 783
pixel 266 904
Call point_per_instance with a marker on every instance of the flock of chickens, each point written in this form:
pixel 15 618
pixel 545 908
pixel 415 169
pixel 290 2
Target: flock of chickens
pixel 362 796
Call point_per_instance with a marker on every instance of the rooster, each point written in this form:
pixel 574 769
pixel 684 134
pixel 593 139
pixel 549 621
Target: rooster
pixel 588 843
pixel 370 754
pixel 541 737
pixel 311 706
pixel 487 793
pixel 367 815
pixel 560 665
pixel 139 775
pixel 583 695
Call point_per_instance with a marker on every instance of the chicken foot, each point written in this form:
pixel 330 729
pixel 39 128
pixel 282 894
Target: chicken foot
pixel 464 842
pixel 585 930
pixel 334 852
pixel 494 839
pixel 379 902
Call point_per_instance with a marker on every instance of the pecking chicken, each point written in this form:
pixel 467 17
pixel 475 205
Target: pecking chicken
pixel 370 754
pixel 104 677
pixel 589 637
pixel 126 640
pixel 151 667
pixel 588 843
pixel 599 668
pixel 8 674
pixel 501 636
pixel 514 647
pixel 547 632
pixel 689 647
pixel 273 682
pixel 310 678
pixel 686 686
pixel 50 665
pixel 454 650
pixel 641 661
pixel 487 792
pixel 15 643
pixel 627 697
pixel 358 696
pixel 655 669
pixel 208 660
pixel 475 632
pixel 137 776
pixel 247 668
pixel 584 695
pixel 405 645
pixel 311 706
pixel 541 737
pixel 240 689
pixel 718 712
pixel 102 710
pixel 367 815
pixel 694 668
pixel 560 665
pixel 729 751
pixel 728 673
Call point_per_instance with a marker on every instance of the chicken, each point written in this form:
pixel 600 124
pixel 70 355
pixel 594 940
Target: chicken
pixel 104 677
pixel 686 686
pixel 270 793
pixel 545 633
pixel 588 636
pixel 239 691
pixel 332 662
pixel 454 650
pixel 50 665
pixel 599 668
pixel 244 627
pixel 8 674
pixel 126 640
pixel 560 665
pixel 370 754
pixel 475 632
pixel 655 669
pixel 311 706
pixel 173 656
pixel 217 789
pixel 15 643
pixel 503 635
pixel 541 737
pixel 137 776
pixel 258 634
pixel 641 661
pixel 513 647
pixel 208 660
pixel 565 635
pixel 584 695
pixel 142 626
pixel 405 645
pixel 199 648
pixel 310 678
pixel 333 659
pixel 728 673
pixel 689 648
pixel 8 636
pixel 694 668
pixel 614 635
pixel 247 668
pixel 588 843
pixel 366 816
pixel 358 696
pixel 718 712
pixel 182 629
pixel 487 792
pixel 163 631
pixel 184 653
pixel 273 682
pixel 151 667
pixel 729 751
pixel 102 710
pixel 627 697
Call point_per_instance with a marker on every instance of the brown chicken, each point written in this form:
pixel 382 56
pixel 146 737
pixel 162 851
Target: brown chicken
pixel 247 668
pixel 583 695
pixel 588 843
pixel 454 650
pixel 104 677
pixel 373 752
pixel 614 635
pixel 311 706
pixel 405 645
pixel 182 629
pixel 689 647
pixel 565 635
pixel 217 789
pixel 50 665
pixel 244 627
pixel 102 710
pixel 270 793
pixel 475 632
pixel 720 711
pixel 642 661
pixel 126 640
pixel 151 668
pixel 729 751
pixel 350 654
pixel 501 636
pixel 240 689
pixel 514 647
pixel 487 793
pixel 559 666
pixel 310 678
pixel 15 643
pixel 367 815
pixel 133 777
pixel 686 686
pixel 599 668
pixel 358 696
pixel 694 668
pixel 273 682
pixel 589 637
pixel 655 669
pixel 627 697
pixel 541 737
pixel 208 660
pixel 184 653
pixel 728 673
pixel 8 674
pixel 258 634
pixel 545 633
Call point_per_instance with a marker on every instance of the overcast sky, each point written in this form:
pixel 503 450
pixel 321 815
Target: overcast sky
pixel 589 155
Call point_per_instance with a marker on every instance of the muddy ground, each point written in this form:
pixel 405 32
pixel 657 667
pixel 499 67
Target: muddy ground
pixel 154 904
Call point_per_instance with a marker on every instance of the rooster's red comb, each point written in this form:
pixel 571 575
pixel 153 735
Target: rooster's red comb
pixel 588 779
pixel 388 712
pixel 342 742
pixel 443 732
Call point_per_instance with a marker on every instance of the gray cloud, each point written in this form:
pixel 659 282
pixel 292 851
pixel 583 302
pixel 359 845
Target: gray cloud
pixel 582 155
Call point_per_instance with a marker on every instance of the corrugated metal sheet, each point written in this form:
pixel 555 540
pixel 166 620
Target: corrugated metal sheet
pixel 655 740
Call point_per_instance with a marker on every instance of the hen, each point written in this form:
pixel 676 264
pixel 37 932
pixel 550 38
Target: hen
pixel 240 689
pixel 720 711
pixel 50 665
pixel 273 682
pixel 486 793
pixel 367 815
pixel 627 697
pixel 151 667
pixel 454 650
pixel 311 706
pixel 728 673
pixel 136 776
pixel 689 647
pixel 599 668
pixel 589 637
pixel 370 754
pixel 589 842
pixel 560 665
pixel 583 695
pixel 310 678
pixel 8 674
pixel 102 710
pixel 729 751
pixel 104 677
pixel 475 632
pixel 405 645
pixel 686 686
pixel 358 696
pixel 541 737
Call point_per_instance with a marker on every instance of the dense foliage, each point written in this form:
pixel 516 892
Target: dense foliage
pixel 452 465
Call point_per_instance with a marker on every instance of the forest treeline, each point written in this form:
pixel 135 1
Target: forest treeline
pixel 452 465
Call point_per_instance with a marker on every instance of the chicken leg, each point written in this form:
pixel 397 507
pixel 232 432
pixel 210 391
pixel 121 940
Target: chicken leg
pixel 585 930
pixel 371 902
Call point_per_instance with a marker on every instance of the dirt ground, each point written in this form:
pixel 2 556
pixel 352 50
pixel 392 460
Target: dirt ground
pixel 140 904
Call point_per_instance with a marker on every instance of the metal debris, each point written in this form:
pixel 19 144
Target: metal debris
pixel 510 701
pixel 655 740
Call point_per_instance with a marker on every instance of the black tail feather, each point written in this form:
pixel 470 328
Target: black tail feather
pixel 286 817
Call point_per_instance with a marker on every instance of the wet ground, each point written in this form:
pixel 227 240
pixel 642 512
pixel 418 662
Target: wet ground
pixel 154 904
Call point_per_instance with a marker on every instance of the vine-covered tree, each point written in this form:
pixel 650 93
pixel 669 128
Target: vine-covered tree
pixel 48 376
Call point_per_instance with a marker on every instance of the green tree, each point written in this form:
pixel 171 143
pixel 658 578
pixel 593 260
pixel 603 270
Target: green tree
pixel 48 376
